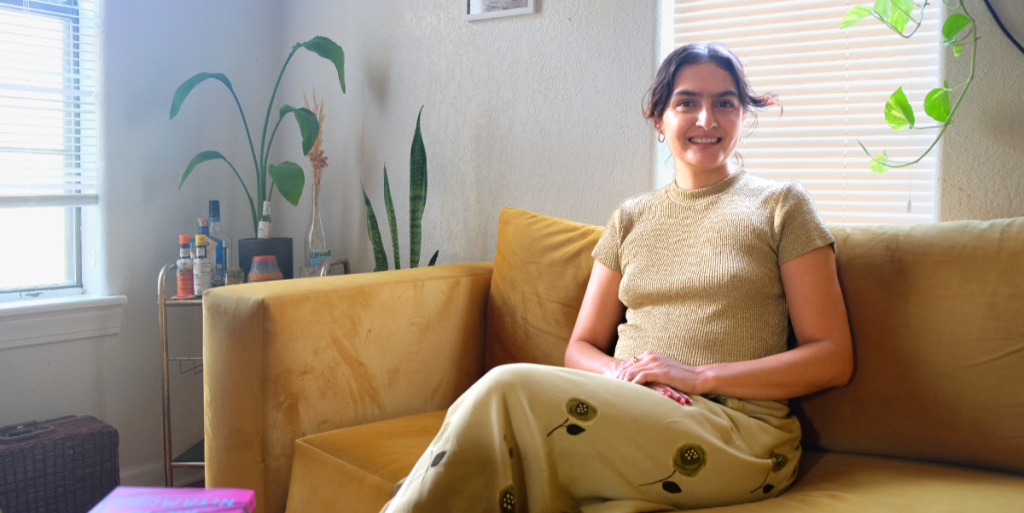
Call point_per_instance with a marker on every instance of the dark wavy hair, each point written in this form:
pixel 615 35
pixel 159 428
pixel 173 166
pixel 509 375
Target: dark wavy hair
pixel 699 53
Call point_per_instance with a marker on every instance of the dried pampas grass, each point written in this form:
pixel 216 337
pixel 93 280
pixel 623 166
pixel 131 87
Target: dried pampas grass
pixel 316 155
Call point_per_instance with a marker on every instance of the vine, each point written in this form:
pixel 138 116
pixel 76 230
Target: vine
pixel 957 31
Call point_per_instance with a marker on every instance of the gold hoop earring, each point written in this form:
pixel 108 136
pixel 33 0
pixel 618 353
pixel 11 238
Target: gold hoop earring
pixel 661 137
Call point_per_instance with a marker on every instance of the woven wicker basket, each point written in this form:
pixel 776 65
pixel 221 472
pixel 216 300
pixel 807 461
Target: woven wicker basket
pixel 64 465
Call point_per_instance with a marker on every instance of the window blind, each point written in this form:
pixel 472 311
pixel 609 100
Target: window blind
pixel 834 85
pixel 48 135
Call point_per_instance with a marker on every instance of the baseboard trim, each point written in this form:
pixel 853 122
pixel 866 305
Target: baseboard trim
pixel 152 474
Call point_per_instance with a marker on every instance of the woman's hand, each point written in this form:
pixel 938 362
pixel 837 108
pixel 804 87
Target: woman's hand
pixel 651 367
pixel 613 368
pixel 671 393
pixel 618 369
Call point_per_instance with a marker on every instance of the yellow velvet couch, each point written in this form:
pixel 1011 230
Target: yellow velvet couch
pixel 321 393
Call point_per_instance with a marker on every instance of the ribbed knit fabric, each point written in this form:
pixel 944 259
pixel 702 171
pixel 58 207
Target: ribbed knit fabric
pixel 700 268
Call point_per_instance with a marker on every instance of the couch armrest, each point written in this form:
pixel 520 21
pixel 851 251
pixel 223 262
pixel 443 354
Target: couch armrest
pixel 292 358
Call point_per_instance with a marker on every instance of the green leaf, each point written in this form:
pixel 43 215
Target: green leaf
pixel 380 258
pixel 214 155
pixel 290 180
pixel 899 18
pixel 878 167
pixel 309 127
pixel 936 104
pixel 200 157
pixel 433 259
pixel 953 25
pixel 898 112
pixel 957 50
pixel 883 8
pixel 329 50
pixel 187 86
pixel 854 15
pixel 392 220
pixel 417 192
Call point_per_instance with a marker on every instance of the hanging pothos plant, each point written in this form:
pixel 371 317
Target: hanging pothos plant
pixel 957 31
pixel 288 176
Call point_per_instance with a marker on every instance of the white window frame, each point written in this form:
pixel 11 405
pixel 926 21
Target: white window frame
pixel 77 188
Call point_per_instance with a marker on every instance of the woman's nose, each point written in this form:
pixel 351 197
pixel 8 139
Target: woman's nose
pixel 706 118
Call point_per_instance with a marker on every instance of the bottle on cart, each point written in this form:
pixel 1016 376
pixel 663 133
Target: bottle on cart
pixel 186 285
pixel 219 246
pixel 202 267
pixel 213 248
pixel 263 232
pixel 202 228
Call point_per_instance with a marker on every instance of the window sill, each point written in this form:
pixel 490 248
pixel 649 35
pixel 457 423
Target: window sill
pixel 45 321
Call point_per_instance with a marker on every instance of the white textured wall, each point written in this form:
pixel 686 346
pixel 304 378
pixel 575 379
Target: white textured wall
pixel 981 164
pixel 540 112
pixel 147 49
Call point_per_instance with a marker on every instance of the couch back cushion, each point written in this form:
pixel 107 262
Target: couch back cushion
pixel 541 269
pixel 937 317
pixel 936 312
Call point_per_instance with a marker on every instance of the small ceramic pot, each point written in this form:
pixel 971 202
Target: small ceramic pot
pixel 264 268
pixel 280 247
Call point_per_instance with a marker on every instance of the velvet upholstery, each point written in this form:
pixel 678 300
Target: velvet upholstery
pixel 292 358
pixel 937 317
pixel 934 312
pixel 541 268
pixel 355 470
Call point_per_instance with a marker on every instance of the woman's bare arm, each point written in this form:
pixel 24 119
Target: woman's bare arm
pixel 597 323
pixel 822 359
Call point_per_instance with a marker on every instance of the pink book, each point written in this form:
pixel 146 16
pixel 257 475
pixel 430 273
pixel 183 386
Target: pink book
pixel 133 499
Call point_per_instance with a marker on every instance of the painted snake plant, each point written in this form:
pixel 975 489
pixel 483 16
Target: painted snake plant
pixel 417 202
pixel 288 176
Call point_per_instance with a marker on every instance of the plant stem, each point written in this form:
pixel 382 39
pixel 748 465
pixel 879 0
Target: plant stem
pixel 247 136
pixel 266 158
pixel 252 207
pixel 266 123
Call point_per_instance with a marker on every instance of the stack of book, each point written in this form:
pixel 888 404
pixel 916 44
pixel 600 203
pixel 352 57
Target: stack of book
pixel 131 499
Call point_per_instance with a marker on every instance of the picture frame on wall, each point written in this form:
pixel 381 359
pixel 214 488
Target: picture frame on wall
pixel 473 10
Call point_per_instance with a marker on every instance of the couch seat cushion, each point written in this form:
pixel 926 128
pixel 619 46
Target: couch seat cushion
pixel 842 482
pixel 355 469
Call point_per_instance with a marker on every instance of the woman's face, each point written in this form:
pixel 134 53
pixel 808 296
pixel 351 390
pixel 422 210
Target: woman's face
pixel 703 119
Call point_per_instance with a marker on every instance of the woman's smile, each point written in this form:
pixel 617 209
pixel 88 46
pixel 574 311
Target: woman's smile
pixel 704 141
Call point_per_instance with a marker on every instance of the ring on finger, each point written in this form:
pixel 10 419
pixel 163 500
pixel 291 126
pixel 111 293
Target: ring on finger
pixel 633 360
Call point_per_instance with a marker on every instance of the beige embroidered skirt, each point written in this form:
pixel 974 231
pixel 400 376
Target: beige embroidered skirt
pixel 532 438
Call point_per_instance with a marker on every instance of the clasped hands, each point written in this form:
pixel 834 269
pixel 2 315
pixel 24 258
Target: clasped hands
pixel 656 372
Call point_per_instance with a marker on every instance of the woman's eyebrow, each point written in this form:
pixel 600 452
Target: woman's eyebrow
pixel 723 94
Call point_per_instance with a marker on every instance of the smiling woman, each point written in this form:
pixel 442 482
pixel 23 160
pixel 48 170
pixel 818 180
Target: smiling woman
pixel 678 369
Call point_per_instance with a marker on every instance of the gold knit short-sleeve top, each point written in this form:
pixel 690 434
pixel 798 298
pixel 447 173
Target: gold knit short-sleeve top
pixel 700 268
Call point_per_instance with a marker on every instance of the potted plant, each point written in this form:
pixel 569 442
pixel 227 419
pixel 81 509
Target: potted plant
pixel 288 177
pixel 417 202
